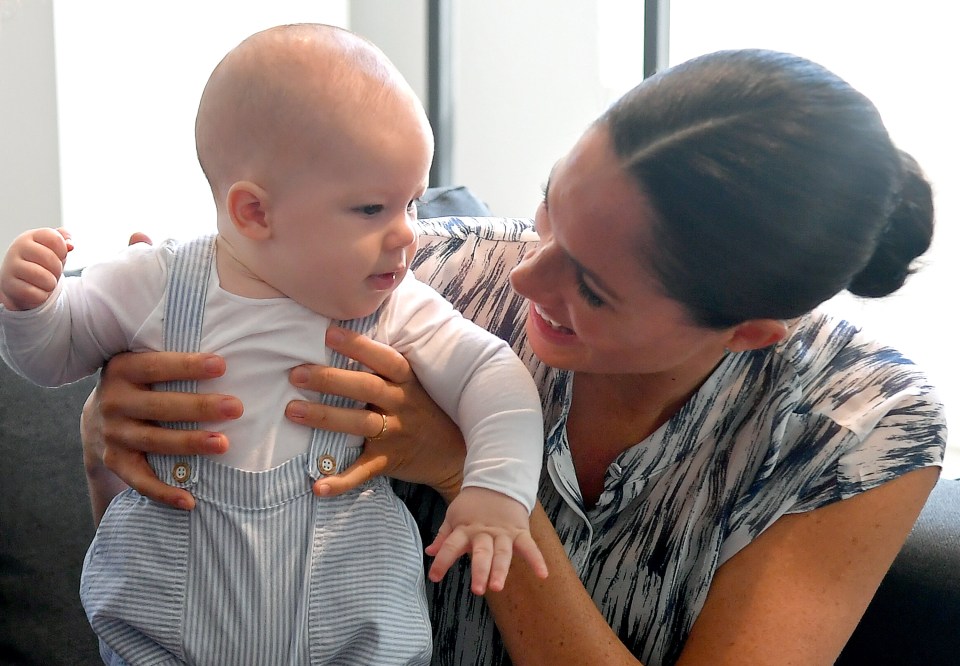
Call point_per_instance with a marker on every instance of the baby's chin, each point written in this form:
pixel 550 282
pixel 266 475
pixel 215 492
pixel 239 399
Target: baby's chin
pixel 347 312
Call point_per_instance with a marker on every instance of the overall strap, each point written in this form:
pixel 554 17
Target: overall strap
pixel 332 452
pixel 186 296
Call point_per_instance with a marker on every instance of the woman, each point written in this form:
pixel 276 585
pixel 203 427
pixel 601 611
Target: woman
pixel 729 473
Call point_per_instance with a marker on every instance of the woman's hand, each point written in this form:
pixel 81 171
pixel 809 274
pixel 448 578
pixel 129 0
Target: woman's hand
pixel 118 424
pixel 408 436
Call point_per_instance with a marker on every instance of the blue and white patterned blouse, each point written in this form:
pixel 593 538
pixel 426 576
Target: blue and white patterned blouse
pixel 823 415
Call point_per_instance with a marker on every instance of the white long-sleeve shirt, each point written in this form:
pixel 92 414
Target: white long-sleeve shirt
pixel 118 306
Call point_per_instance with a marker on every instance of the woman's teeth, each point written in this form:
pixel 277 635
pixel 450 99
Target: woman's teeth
pixel 553 324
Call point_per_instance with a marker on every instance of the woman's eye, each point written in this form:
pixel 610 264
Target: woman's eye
pixel 370 209
pixel 588 294
pixel 414 204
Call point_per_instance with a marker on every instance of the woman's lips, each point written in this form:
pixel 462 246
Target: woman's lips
pixel 552 324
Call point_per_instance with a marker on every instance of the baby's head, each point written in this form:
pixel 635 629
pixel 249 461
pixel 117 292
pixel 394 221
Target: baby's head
pixel 315 148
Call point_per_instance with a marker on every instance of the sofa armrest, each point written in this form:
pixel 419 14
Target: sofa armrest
pixel 46 524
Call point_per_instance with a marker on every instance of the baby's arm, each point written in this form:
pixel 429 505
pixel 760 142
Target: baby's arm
pixel 85 320
pixel 32 267
pixel 478 380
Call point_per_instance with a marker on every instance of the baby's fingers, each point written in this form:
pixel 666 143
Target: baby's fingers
pixel 47 247
pixel 499 566
pixel 453 546
pixel 438 540
pixel 482 560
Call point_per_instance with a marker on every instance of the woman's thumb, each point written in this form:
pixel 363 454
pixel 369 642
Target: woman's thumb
pixel 366 467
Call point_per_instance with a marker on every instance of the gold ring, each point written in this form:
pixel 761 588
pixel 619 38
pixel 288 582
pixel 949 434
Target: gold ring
pixel 383 429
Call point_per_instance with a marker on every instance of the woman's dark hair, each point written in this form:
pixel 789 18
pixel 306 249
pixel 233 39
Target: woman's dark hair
pixel 774 185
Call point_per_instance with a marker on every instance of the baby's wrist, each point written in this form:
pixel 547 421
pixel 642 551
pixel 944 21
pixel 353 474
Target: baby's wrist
pixel 450 487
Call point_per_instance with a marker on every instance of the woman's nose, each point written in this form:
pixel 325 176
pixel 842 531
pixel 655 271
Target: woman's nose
pixel 539 268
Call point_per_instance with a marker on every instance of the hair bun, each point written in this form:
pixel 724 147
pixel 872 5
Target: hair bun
pixel 907 235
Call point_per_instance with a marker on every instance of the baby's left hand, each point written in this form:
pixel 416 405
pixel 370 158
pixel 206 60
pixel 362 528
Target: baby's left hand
pixel 490 526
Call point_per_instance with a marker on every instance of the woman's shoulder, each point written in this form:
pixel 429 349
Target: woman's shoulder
pixel 838 368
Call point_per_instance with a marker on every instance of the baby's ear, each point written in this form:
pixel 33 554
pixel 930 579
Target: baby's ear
pixel 247 205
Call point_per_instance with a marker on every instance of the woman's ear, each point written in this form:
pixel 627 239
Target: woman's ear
pixel 756 334
pixel 247 206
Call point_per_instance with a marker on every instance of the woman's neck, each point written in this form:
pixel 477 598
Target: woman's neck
pixel 612 413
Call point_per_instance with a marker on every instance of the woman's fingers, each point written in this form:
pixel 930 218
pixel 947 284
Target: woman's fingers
pixel 143 437
pixel 119 419
pixel 133 469
pixel 124 389
pixel 367 466
pixel 382 359
pixel 363 422
pixel 155 367
pixel 145 407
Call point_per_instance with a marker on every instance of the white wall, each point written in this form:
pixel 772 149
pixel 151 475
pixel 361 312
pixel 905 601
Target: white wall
pixel 29 172
pixel 128 77
pixel 527 82
pixel 399 29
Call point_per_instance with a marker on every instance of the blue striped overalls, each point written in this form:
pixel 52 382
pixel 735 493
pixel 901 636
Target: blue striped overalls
pixel 261 572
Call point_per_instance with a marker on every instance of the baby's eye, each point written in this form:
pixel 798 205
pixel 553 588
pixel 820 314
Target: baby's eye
pixel 369 209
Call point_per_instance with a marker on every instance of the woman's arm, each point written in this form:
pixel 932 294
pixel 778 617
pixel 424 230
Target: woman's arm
pixel 793 596
pixel 553 620
pixel 797 592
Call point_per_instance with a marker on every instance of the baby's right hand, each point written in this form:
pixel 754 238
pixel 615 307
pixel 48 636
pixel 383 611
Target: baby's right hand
pixel 32 267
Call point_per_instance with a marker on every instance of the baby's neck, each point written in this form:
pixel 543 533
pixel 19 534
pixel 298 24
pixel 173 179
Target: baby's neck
pixel 236 278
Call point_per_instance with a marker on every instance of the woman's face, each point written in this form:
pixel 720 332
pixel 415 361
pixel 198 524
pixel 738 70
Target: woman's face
pixel 594 305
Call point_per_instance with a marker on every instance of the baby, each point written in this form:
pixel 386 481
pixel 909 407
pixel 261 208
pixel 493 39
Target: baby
pixel 316 151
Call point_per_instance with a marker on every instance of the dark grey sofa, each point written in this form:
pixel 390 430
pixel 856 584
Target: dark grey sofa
pixel 45 526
